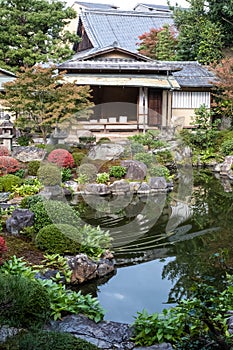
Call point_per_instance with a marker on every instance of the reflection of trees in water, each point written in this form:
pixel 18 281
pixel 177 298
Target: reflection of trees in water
pixel 212 208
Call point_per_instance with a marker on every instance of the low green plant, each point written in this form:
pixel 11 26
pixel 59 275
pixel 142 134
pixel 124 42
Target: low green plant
pixel 82 179
pixel 24 140
pixel 117 171
pixel 20 173
pixel 46 340
pixel 59 239
pixel 33 167
pixel 136 147
pixel 62 300
pixel 102 178
pixel 95 241
pixel 49 175
pixel 103 140
pixel 87 139
pixel 149 139
pixel 164 157
pixel 57 262
pixel 8 182
pixel 159 170
pixel 23 302
pixel 29 201
pixel 28 188
pixel 147 158
pixel 53 212
pixel 66 174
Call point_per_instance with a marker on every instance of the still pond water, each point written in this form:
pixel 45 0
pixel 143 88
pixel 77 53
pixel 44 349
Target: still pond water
pixel 162 243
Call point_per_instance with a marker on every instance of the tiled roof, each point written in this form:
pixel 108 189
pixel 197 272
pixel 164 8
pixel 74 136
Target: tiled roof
pixel 92 5
pixel 155 7
pixel 193 74
pixel 123 27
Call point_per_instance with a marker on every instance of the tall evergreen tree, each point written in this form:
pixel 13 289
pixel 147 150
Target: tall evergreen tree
pixel 31 31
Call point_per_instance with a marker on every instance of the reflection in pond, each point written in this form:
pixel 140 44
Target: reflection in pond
pixel 162 244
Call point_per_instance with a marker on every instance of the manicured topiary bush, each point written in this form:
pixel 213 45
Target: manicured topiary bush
pixel 59 239
pixel 53 212
pixel 49 175
pixel 89 170
pixel 62 158
pixel 78 157
pixel 23 302
pixel 44 340
pixel 159 170
pixel 8 181
pixel 33 167
pixel 117 171
pixel 8 165
pixel 4 151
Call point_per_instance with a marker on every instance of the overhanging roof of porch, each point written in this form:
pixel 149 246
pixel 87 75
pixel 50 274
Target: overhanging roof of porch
pixel 156 81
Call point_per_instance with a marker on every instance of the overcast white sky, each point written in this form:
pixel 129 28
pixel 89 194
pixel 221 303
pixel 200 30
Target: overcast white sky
pixel 129 4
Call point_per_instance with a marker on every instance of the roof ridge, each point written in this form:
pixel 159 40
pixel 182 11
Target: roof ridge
pixel 129 13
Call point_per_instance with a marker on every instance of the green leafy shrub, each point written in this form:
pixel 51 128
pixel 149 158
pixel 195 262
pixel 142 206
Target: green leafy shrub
pixel 53 212
pixel 102 178
pixel 78 157
pixel 159 170
pixel 164 157
pixel 137 147
pixel 33 167
pixel 57 262
pixel 149 139
pixel 66 174
pixel 49 175
pixel 117 171
pixel 4 151
pixel 95 241
pixel 103 140
pixel 8 165
pixel 59 239
pixel 29 201
pixel 89 170
pixel 7 182
pixel 87 139
pixel 23 302
pixel 29 187
pixel 147 158
pixel 227 147
pixel 62 300
pixel 62 158
pixel 20 173
pixel 44 340
pixel 24 140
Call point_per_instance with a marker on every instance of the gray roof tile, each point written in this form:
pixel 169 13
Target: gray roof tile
pixel 124 27
pixel 92 5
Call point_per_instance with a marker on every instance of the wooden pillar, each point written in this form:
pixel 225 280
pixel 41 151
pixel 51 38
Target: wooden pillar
pixel 143 108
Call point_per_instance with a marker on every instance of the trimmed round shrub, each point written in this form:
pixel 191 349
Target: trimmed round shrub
pixel 146 158
pixel 227 147
pixel 103 140
pixel 89 170
pixel 59 239
pixel 78 157
pixel 8 181
pixel 159 170
pixel 117 171
pixel 8 165
pixel 33 167
pixel 44 340
pixel 23 302
pixel 4 151
pixel 62 158
pixel 53 212
pixel 49 175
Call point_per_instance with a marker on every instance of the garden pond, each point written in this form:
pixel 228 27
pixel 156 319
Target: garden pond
pixel 162 243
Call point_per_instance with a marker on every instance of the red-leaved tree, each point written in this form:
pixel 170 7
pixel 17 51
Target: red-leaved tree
pixel 223 86
pixel 159 44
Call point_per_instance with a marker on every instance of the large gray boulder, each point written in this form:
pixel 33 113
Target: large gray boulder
pixel 106 151
pixel 136 170
pixel 28 153
pixel 120 187
pixel 19 219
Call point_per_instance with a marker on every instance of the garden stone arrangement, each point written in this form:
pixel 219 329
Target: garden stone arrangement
pixel 45 247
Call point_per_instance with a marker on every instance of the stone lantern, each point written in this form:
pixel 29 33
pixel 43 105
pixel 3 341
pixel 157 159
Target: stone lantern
pixel 7 132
